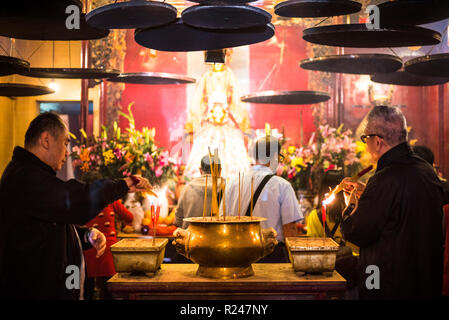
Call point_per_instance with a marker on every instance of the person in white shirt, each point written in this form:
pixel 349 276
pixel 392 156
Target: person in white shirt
pixel 277 201
pixel 191 201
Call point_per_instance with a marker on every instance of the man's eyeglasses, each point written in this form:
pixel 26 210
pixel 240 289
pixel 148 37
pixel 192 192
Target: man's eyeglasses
pixel 365 136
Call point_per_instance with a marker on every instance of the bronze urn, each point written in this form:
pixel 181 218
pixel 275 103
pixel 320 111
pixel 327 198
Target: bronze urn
pixel 225 248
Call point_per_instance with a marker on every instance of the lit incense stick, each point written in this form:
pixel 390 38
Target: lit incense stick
pixel 239 195
pixel 223 196
pixel 252 191
pixel 205 200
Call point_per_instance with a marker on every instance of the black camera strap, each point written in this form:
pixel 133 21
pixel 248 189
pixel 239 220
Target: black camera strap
pixel 258 192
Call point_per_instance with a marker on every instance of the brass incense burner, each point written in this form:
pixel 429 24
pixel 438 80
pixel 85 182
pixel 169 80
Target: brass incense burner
pixel 225 249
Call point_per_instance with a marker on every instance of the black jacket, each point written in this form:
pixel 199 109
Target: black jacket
pixel 38 240
pixel 398 226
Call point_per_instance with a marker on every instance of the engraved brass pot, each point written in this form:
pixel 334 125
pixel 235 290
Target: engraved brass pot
pixel 225 249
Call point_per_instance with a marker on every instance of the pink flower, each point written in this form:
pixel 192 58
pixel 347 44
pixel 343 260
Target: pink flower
pixel 158 172
pixel 77 163
pixel 76 149
pixel 163 160
pixel 148 158
pixel 291 173
pixel 118 153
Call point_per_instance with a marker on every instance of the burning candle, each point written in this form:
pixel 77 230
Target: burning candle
pixel 205 199
pixel 323 216
pixel 158 211
pixel 328 198
pixel 153 218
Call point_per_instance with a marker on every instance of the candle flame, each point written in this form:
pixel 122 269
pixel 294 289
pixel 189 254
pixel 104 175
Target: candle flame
pixel 161 193
pixel 328 199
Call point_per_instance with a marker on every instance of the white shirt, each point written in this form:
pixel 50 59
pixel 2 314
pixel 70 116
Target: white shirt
pixel 277 201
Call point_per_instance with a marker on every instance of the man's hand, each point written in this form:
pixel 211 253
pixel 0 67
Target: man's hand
pixel 351 185
pixel 98 241
pixel 137 184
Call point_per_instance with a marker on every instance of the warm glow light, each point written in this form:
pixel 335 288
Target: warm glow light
pixel 225 230
pixel 328 199
pixel 160 194
pixel 53 85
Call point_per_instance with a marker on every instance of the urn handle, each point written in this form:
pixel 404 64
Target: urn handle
pixel 181 242
pixel 269 240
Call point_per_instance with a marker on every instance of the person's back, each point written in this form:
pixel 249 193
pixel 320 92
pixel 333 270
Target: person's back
pixel 405 233
pixel 23 250
pixel 397 221
pixel 416 227
pixel 40 244
pixel 191 202
pixel 277 201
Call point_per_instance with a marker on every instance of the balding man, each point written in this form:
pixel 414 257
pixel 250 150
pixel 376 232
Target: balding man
pixel 397 222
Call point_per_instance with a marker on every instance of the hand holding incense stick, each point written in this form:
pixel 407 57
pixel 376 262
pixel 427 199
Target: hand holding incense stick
pixel 144 185
pixel 354 178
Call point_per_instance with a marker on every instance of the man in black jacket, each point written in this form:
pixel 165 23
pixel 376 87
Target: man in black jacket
pixel 40 246
pixel 397 222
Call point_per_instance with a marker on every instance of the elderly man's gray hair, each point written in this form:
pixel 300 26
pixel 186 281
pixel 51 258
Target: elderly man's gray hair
pixel 389 122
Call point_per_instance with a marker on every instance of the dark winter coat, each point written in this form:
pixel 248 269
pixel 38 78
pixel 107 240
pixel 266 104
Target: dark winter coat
pixel 38 214
pixel 398 226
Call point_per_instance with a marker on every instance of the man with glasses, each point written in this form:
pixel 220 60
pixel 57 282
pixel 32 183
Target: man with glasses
pixel 397 220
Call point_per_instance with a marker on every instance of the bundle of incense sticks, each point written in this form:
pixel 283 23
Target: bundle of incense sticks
pixel 354 178
pixel 136 181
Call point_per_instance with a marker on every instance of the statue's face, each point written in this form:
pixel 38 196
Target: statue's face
pixel 218 66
